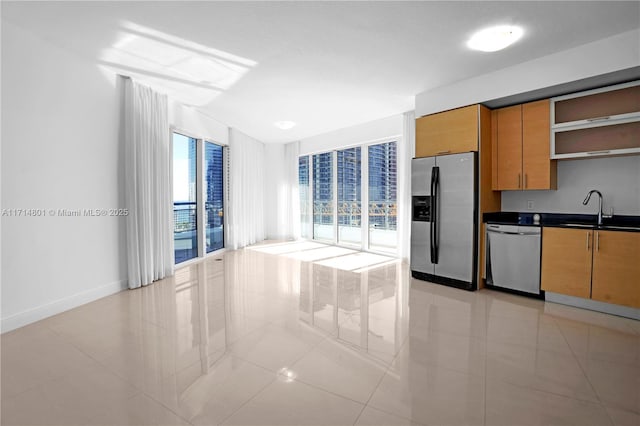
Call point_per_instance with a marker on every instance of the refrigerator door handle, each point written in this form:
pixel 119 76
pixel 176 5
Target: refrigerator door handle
pixel 435 186
pixel 433 218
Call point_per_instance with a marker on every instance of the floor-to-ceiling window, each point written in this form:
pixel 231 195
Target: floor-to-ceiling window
pixel 341 183
pixel 323 212
pixel 305 199
pixel 349 196
pixel 214 196
pixel 198 196
pixel 383 196
pixel 185 224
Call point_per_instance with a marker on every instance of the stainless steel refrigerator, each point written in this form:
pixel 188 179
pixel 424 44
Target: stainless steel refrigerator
pixel 444 219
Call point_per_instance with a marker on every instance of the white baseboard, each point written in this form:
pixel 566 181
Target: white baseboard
pixel 44 311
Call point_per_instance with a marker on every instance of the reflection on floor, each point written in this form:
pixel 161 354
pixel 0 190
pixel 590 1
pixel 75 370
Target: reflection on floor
pixel 305 334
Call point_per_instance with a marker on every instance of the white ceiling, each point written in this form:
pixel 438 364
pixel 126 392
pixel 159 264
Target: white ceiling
pixel 324 65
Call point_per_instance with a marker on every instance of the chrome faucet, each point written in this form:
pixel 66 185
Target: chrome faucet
pixel 600 214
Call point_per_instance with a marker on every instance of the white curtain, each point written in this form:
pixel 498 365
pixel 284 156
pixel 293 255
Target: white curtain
pixel 148 191
pixel 247 177
pixel 291 154
pixel 406 151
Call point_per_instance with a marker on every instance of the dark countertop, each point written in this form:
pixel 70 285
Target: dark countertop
pixel 565 220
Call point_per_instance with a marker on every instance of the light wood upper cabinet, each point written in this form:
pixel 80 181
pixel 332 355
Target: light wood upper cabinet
pixel 539 170
pixel 616 269
pixel 447 132
pixel 509 147
pixel 521 143
pixel 566 261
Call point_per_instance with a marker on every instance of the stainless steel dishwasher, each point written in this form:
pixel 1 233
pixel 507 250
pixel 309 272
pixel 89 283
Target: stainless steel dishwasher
pixel 513 257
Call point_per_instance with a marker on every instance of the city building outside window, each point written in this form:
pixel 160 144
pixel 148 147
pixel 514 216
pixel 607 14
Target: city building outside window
pixel 337 181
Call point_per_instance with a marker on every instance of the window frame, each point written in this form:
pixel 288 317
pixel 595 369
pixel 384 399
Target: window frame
pixel 225 157
pixel 200 195
pixel 364 193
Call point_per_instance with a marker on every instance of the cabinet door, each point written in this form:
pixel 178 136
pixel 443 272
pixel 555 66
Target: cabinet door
pixel 566 261
pixel 599 103
pixel 447 132
pixel 616 268
pixel 621 137
pixel 538 169
pixel 508 145
pixel 598 122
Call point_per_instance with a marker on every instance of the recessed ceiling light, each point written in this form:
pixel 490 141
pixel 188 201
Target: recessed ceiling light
pixel 284 125
pixel 494 38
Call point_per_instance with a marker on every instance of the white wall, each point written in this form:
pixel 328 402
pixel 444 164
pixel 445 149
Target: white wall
pixel 60 148
pixel 367 132
pixel 276 185
pixel 600 57
pixel 618 178
pixel 197 124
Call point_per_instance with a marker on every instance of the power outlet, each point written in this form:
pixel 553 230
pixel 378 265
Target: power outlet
pixel 529 204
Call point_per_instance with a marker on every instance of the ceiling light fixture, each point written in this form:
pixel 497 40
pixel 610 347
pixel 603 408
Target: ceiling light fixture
pixel 495 38
pixel 284 125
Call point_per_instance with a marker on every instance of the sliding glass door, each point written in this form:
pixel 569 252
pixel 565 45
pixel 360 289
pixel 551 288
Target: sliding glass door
pixel 341 183
pixel 185 224
pixel 303 185
pixel 383 197
pixel 198 197
pixel 349 196
pixel 214 201
pixel 323 218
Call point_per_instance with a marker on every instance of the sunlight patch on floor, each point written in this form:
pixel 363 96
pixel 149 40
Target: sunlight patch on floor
pixel 354 261
pixel 320 253
pixel 286 247
pixel 326 255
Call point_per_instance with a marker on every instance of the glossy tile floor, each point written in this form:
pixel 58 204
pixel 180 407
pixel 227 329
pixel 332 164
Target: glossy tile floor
pixel 306 334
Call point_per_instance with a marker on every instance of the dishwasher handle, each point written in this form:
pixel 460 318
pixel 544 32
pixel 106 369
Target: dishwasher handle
pixel 497 231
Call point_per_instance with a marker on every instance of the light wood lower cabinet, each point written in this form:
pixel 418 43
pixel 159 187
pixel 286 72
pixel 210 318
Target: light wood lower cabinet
pixel 566 261
pixel 616 268
pixel 595 264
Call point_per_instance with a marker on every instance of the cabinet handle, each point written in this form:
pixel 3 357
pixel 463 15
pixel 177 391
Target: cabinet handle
pixel 518 180
pixel 588 240
pixel 597 241
pixel 598 118
pixel 443 152
pixel 598 152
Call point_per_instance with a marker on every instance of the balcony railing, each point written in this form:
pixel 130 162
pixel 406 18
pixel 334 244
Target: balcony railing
pixel 214 221
pixel 382 214
pixel 185 232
